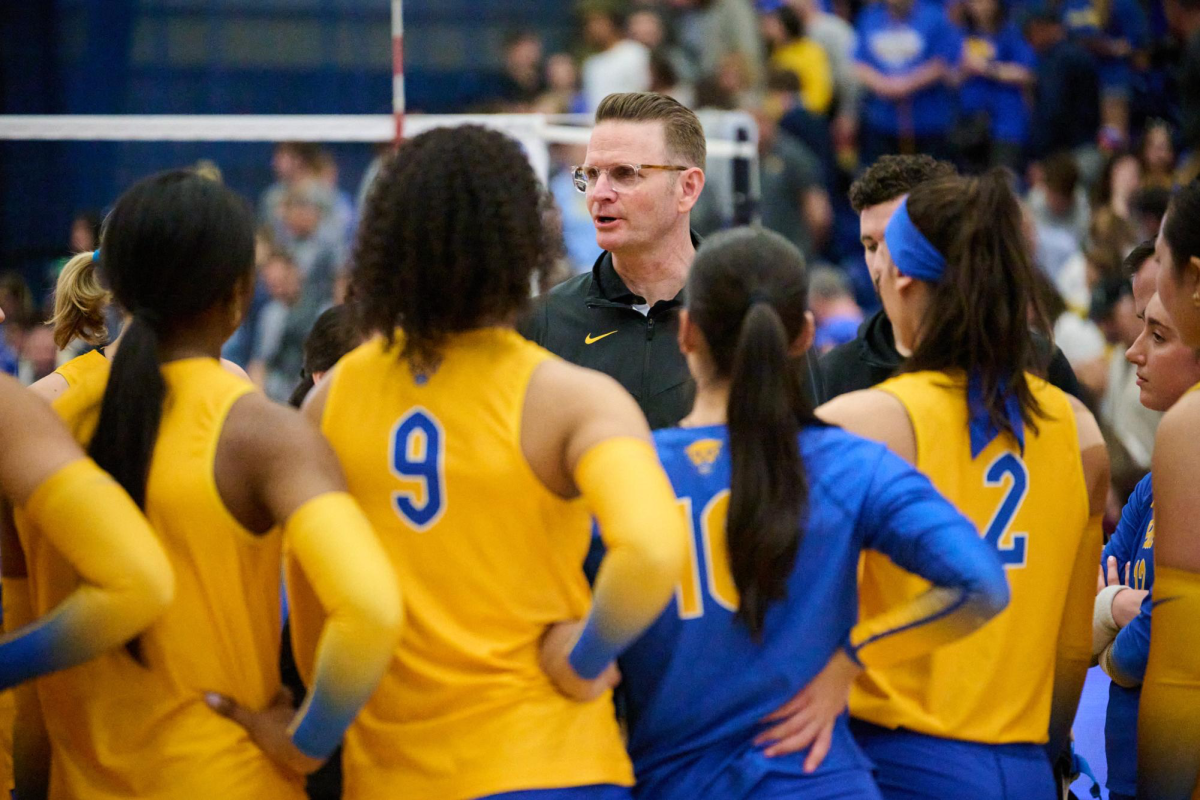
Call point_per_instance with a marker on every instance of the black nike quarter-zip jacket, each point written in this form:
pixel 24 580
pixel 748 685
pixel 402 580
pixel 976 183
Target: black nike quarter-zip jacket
pixel 591 320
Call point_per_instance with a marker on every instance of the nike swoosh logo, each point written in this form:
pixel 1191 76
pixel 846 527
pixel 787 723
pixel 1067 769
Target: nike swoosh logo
pixel 589 339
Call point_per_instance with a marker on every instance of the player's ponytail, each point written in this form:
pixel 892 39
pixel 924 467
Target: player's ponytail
pixel 982 306
pixel 79 303
pixel 748 296
pixel 175 246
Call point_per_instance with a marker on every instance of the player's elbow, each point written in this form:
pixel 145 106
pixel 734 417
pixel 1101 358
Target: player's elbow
pixel 151 585
pixel 990 590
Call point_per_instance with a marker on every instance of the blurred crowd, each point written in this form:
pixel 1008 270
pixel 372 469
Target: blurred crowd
pixel 1093 104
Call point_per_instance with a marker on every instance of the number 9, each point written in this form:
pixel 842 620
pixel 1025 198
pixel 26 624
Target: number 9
pixel 417 452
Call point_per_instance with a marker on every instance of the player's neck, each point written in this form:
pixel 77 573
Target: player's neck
pixel 710 406
pixel 659 272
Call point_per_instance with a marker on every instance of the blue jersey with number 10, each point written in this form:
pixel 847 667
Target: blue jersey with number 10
pixel 699 685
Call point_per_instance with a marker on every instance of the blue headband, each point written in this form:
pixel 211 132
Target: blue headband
pixel 96 254
pixel 911 252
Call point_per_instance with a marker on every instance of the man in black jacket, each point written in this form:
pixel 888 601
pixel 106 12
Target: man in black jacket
pixel 873 356
pixel 643 172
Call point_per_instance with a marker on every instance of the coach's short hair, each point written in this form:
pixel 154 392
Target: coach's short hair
pixel 682 130
pixel 894 176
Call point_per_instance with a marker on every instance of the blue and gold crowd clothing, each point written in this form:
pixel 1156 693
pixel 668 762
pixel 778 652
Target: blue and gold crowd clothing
pixel 698 685
pixel 1114 19
pixel 487 556
pixel 1003 103
pixel 1030 503
pixel 1132 544
pixel 123 728
pixel 898 47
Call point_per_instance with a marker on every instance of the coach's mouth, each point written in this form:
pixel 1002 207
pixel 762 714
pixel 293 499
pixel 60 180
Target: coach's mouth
pixel 603 222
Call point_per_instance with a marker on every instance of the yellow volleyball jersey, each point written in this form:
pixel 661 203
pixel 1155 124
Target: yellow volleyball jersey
pixel 488 557
pixel 118 728
pixel 995 685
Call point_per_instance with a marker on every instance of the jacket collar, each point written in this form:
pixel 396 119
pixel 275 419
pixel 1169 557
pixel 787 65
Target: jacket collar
pixel 607 285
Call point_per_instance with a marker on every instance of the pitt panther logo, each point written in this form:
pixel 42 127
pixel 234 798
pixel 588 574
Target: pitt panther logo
pixel 1149 535
pixel 703 454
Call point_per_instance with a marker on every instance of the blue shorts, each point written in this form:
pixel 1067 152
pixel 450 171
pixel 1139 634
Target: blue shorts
pixel 914 766
pixel 597 791
pixel 848 785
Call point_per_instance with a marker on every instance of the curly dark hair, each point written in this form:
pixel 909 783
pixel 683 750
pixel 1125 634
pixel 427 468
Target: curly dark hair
pixel 894 176
pixel 451 239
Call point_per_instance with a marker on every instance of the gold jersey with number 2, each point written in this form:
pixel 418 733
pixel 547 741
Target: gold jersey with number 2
pixel 995 685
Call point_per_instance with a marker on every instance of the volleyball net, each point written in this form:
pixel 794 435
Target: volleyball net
pixel 732 188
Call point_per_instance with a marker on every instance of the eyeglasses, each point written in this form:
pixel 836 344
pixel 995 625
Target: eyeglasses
pixel 621 176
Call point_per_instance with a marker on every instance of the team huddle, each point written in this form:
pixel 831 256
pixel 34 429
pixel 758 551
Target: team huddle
pixel 500 583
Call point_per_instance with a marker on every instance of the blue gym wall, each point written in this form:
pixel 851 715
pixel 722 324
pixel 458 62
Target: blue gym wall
pixel 220 57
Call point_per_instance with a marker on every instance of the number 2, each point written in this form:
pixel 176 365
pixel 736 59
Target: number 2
pixel 1012 555
pixel 417 453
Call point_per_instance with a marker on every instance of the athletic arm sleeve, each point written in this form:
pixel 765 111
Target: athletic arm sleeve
pixel 1168 725
pixel 1125 659
pixel 1074 653
pixel 908 520
pixel 643 530
pixel 126 580
pixel 306 617
pixel 352 578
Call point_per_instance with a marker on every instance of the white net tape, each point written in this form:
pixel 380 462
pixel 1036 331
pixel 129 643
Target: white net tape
pixel 732 137
pixel 560 129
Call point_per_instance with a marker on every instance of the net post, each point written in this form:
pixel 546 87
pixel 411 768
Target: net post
pixel 398 68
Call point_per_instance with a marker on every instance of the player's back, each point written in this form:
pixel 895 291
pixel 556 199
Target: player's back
pixel 121 728
pixel 1032 505
pixel 488 558
pixel 699 684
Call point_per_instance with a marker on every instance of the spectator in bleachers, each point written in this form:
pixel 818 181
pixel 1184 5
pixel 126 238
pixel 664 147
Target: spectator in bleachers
pixel 562 95
pixel 1184 19
pixel 292 163
pixel 792 50
pixel 646 25
pixel 522 82
pixel 1059 208
pixel 578 232
pixel 998 70
pixel 1131 422
pixel 1148 206
pixel 1114 31
pixel 907 53
pixel 305 209
pixel 18 310
pixel 832 303
pixel 1156 152
pixel 722 35
pixel 240 347
pixel 837 38
pixel 342 218
pixel 1066 109
pixel 285 321
pixel 794 201
pixel 618 64
pixel 1113 192
pixel 664 79
pixel 1082 343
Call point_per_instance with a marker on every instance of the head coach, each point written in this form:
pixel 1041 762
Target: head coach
pixel 643 172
